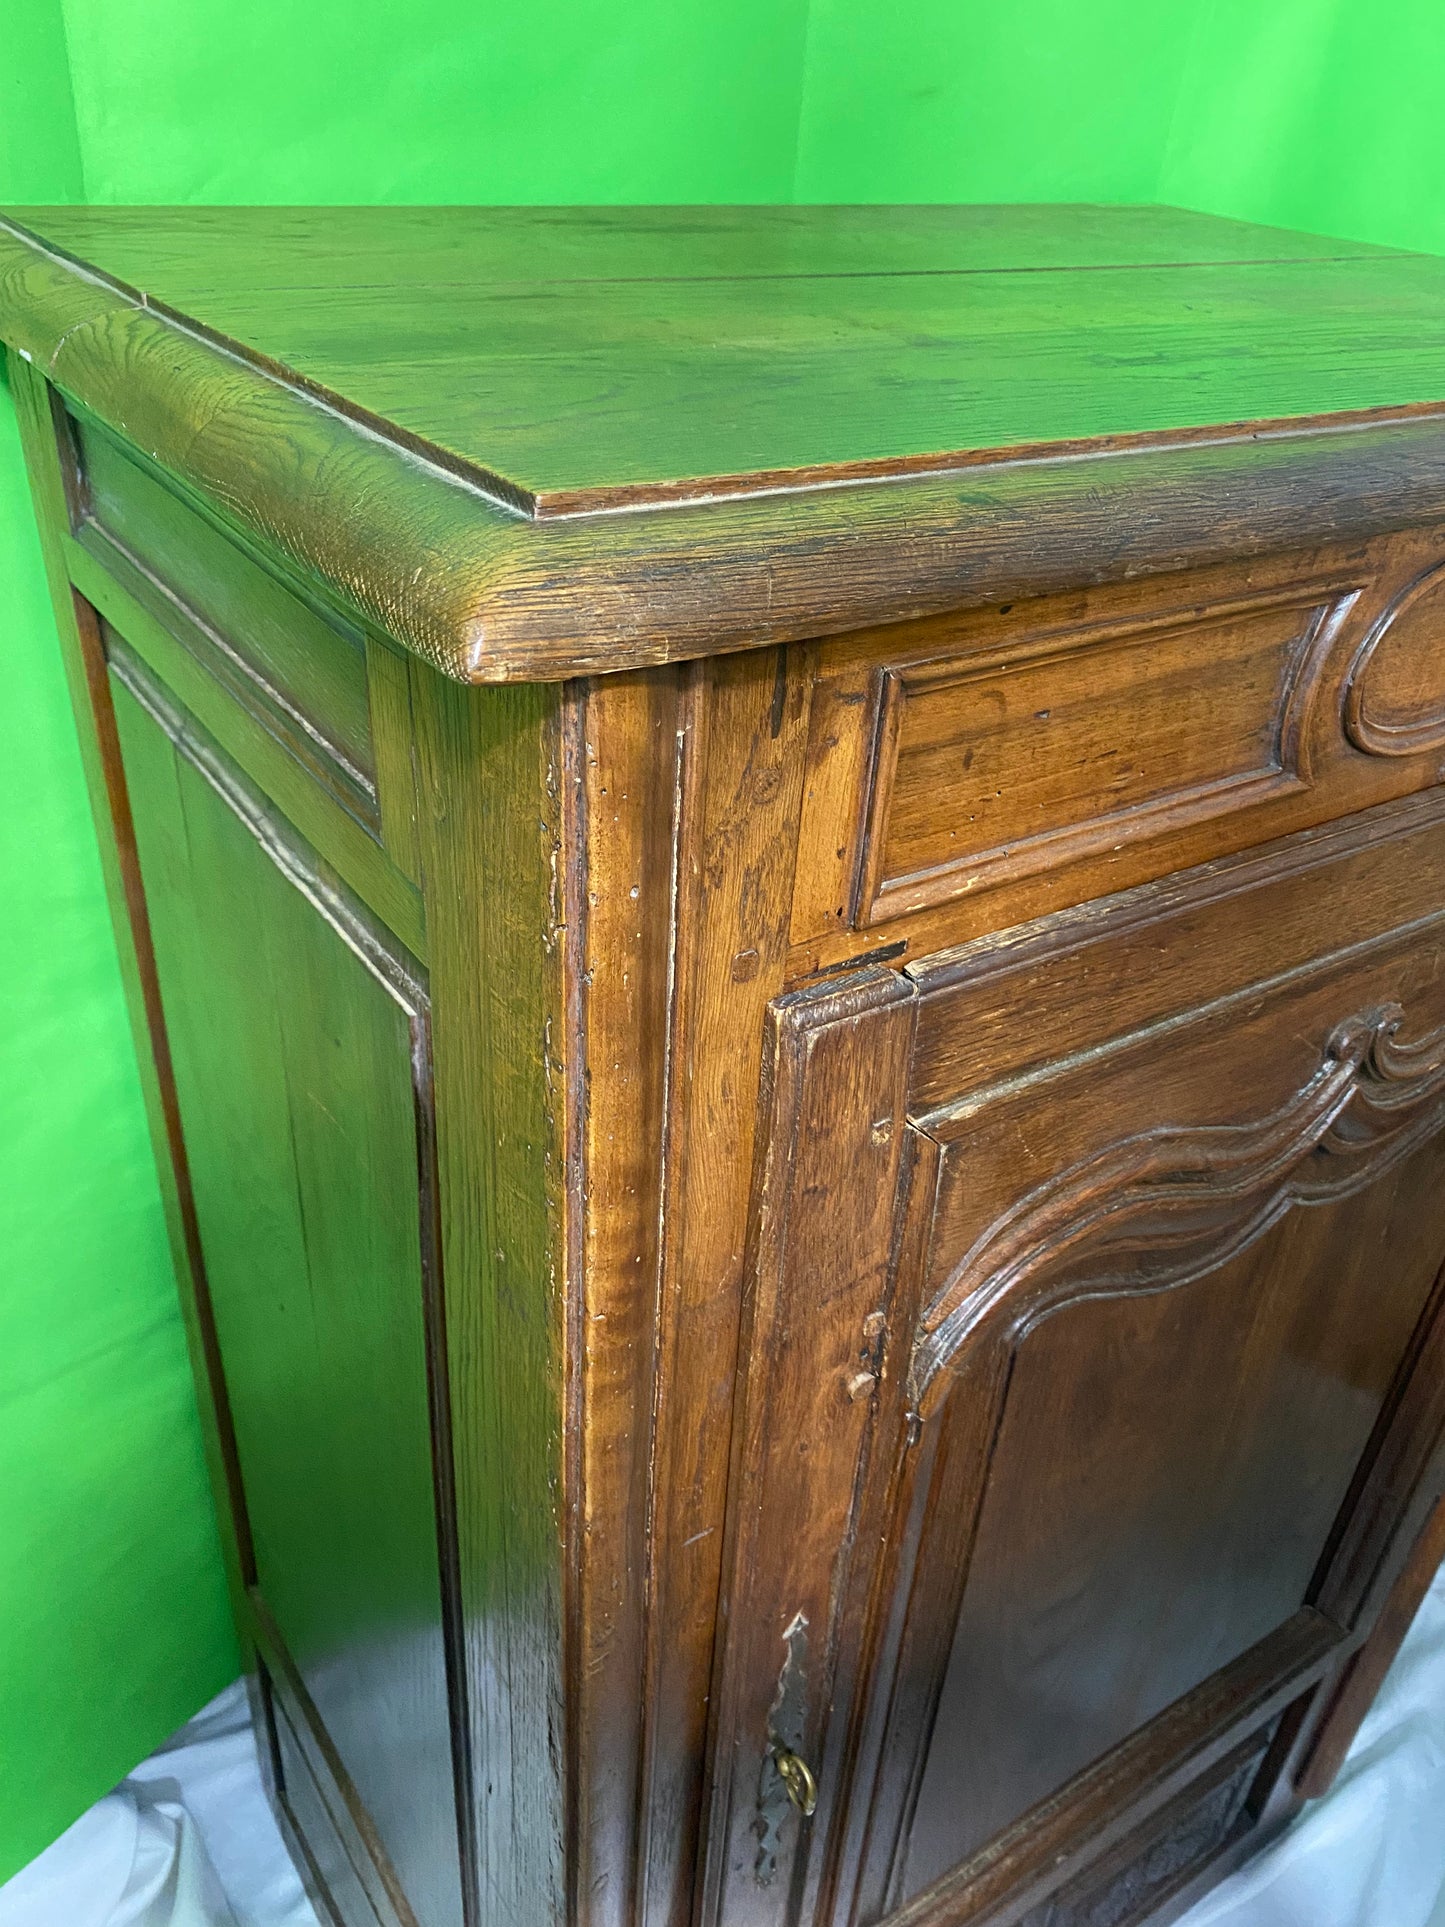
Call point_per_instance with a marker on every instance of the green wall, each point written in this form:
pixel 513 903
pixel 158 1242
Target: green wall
pixel 1321 114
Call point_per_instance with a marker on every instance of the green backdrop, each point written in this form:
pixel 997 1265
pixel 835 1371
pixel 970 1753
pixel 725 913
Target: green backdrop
pixel 1322 114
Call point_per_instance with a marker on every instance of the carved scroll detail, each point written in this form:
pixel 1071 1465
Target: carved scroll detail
pixel 1156 1210
pixel 1381 733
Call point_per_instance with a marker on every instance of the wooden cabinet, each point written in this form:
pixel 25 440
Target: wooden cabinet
pixel 800 1080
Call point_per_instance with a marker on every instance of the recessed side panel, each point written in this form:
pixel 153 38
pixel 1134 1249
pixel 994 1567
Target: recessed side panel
pixel 300 1035
pixel 301 674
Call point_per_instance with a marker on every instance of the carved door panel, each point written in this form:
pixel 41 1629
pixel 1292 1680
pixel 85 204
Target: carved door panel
pixel 1095 1381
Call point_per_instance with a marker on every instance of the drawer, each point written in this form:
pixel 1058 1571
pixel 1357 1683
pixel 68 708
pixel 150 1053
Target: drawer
pixel 334 699
pixel 1032 756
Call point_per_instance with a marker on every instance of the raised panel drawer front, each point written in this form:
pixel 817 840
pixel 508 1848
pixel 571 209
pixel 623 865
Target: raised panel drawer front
pixel 1037 754
pixel 1095 1357
pixel 991 770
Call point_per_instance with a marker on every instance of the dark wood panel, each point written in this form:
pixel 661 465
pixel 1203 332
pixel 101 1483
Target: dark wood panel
pixel 1130 1795
pixel 1158 1380
pixel 1148 1519
pixel 1164 1395
pixel 300 1033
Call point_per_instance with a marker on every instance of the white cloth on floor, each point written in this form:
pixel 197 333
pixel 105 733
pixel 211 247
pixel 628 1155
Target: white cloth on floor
pixel 136 1859
pixel 1372 1852
pixel 188 1840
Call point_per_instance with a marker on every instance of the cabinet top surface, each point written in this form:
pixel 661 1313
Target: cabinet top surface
pixel 559 365
pixel 604 357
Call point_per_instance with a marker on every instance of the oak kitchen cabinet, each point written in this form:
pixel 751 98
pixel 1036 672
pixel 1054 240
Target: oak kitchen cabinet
pixel 783 875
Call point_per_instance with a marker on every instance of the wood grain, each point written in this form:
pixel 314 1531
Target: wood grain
pixel 1395 697
pixel 1217 1141
pixel 302 1052
pixel 876 441
pixel 589 375
pixel 745 730
pixel 624 742
pixel 348 844
pixel 989 770
pixel 489 781
pixel 817 1314
pixel 844 1178
pixel 970 771
pixel 304 675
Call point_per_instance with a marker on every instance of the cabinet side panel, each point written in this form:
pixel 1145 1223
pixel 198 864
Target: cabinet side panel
pixel 95 725
pixel 300 1040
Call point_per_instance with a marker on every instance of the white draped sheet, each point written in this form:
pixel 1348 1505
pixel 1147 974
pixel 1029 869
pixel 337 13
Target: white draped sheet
pixel 187 1840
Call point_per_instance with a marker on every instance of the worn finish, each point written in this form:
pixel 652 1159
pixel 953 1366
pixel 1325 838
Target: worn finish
pixel 1084 1528
pixel 980 769
pixel 722 427
pixel 816 1269
pixel 742 783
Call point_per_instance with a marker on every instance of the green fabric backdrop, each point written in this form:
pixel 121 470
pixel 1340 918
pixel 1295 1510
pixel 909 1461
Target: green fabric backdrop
pixel 1321 114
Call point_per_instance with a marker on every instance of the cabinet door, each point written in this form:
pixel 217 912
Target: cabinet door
pixel 1094 1383
pixel 298 1031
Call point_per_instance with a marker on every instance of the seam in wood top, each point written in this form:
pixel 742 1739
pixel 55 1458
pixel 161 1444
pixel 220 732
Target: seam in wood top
pixel 493 580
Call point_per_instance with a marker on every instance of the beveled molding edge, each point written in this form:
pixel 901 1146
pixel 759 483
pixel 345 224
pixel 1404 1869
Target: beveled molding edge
pixel 1064 1842
pixel 1093 1231
pixel 1394 736
pixel 470 572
